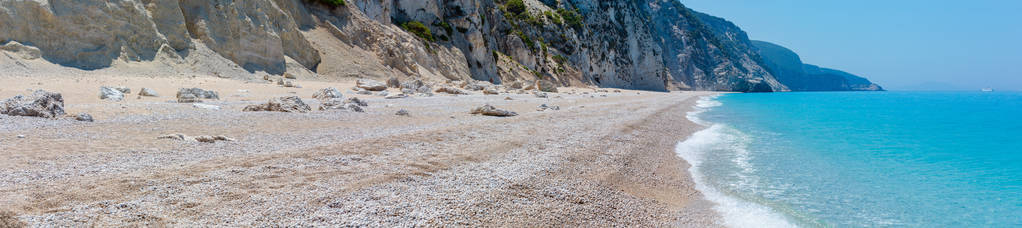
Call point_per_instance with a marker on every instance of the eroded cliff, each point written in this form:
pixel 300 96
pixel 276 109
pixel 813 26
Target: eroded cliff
pixel 649 44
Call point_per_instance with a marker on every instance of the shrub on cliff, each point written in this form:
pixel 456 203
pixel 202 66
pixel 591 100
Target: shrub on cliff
pixel 571 17
pixel 419 30
pixel 516 7
pixel 333 3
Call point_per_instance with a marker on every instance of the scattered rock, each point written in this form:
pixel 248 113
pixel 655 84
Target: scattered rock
pixel 267 77
pixel 489 110
pixel 23 51
pixel 544 107
pixel 451 90
pixel 110 93
pixel 212 139
pixel 193 95
pixel 371 85
pixel 124 90
pixel 365 92
pixel 617 91
pixel 383 93
pixel 359 102
pixel 147 92
pixel 546 86
pixel 415 85
pixel 407 91
pixel 402 112
pixel 206 106
pixel 508 98
pixel 202 138
pixel 491 91
pixel 280 81
pixel 21 136
pixel 40 104
pixel 516 85
pixel 396 96
pixel 291 84
pixel 84 117
pixel 393 82
pixel 327 94
pixel 425 89
pixel 541 94
pixel 289 76
pixel 354 107
pixel 281 104
pixel 187 98
pixel 352 104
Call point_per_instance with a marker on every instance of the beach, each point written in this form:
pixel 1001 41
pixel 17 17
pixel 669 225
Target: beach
pixel 605 158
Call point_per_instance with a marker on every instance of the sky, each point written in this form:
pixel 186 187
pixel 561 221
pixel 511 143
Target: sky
pixel 899 44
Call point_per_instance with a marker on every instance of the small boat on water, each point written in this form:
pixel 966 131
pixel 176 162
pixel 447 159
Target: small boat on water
pixel 987 90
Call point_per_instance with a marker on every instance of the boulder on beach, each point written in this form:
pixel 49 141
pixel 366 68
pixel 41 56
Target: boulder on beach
pixel 489 110
pixel 352 104
pixel 541 94
pixel 40 104
pixel 110 93
pixel 546 86
pixel 327 94
pixel 147 92
pixel 371 85
pixel 402 112
pixel 451 90
pixel 281 104
pixel 491 91
pixel 84 117
pixel 192 95
pixel 393 82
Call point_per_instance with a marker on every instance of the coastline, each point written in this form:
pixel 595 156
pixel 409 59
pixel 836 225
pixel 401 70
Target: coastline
pixel 599 161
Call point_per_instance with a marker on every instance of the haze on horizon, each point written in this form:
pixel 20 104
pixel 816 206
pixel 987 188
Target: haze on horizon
pixel 901 45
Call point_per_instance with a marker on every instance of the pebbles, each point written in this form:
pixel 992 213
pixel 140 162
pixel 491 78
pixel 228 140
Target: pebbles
pixel 201 138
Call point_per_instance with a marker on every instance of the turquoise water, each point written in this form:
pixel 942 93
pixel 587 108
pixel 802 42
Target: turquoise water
pixel 901 159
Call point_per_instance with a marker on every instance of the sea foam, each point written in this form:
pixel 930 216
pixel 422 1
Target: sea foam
pixel 735 212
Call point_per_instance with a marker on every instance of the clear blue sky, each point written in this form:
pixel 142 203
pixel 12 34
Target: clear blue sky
pixel 899 44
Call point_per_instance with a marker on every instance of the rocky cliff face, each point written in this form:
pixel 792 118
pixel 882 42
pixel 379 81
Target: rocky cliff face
pixel 789 70
pixel 648 44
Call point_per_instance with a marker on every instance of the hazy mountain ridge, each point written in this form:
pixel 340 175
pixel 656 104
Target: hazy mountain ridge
pixel 788 67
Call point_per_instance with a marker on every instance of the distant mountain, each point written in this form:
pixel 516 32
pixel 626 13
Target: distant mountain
pixel 789 69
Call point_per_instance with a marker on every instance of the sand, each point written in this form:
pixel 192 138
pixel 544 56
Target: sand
pixel 604 159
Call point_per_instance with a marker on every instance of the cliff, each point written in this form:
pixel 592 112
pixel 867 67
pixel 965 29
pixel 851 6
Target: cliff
pixel 789 70
pixel 650 44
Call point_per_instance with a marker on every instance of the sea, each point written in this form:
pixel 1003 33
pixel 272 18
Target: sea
pixel 860 159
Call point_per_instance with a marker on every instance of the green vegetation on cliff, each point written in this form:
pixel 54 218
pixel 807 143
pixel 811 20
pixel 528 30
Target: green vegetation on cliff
pixel 419 30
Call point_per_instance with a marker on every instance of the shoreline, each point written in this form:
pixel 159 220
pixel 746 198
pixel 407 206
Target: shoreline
pixel 599 161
